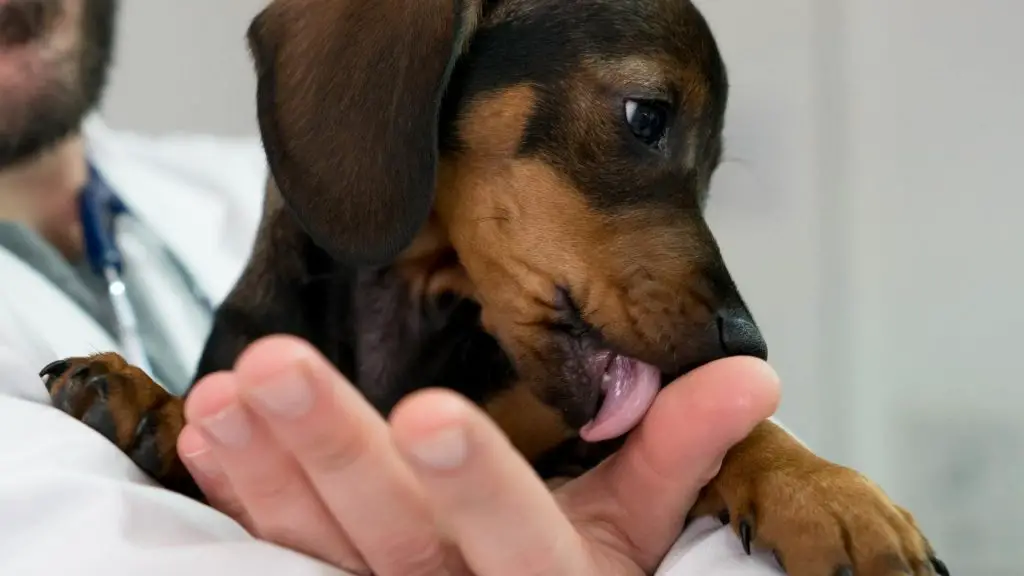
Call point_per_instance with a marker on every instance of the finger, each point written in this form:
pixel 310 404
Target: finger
pixel 206 471
pixel 283 508
pixel 646 488
pixel 495 508
pixel 345 448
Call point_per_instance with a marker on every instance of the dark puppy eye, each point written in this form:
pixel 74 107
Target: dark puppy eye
pixel 647 119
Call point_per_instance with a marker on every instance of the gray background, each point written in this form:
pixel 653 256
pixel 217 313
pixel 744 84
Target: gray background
pixel 869 208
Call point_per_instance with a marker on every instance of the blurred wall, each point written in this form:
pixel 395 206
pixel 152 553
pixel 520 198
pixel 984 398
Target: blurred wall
pixel 869 208
pixel 184 65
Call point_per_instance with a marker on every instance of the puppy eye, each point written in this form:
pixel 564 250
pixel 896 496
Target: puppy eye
pixel 647 119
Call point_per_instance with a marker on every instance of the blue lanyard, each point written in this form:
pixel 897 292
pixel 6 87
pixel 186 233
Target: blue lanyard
pixel 99 208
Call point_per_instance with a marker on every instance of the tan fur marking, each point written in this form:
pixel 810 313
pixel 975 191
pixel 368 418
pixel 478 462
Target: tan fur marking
pixel 796 500
pixel 521 230
pixel 532 426
pixel 494 125
pixel 430 267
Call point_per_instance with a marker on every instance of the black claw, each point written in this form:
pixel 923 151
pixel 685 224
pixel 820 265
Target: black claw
pixel 53 370
pixel 723 517
pixel 940 566
pixel 746 535
pixel 99 383
pixel 843 571
pixel 778 558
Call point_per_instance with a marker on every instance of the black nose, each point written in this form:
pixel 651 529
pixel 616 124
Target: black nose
pixel 739 334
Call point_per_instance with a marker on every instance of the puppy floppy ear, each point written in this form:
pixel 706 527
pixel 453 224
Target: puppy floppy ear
pixel 348 99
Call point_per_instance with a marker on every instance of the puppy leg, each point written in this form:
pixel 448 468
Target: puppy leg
pixel 820 519
pixel 125 405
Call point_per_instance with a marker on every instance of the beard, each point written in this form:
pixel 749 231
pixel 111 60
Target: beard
pixel 60 76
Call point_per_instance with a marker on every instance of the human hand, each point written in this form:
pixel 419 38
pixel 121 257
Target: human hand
pixel 439 489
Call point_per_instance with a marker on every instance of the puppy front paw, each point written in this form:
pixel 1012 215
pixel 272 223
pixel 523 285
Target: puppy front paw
pixel 819 518
pixel 126 406
pixel 826 521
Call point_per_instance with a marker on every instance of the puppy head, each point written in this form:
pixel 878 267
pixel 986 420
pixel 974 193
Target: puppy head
pixel 562 149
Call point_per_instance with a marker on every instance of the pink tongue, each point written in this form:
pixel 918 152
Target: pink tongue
pixel 630 387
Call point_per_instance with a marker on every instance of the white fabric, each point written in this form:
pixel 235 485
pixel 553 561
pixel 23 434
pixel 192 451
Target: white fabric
pixel 70 502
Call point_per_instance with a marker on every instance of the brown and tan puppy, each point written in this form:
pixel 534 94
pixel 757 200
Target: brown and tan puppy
pixel 506 198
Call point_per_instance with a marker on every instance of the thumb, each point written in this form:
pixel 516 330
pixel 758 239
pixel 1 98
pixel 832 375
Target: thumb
pixel 652 482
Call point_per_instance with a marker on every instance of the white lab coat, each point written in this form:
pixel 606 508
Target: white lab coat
pixel 70 502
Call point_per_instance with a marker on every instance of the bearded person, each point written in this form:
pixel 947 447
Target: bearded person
pixel 54 62
pixel 61 168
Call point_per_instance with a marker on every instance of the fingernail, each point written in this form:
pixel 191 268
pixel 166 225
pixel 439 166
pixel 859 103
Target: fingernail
pixel 200 460
pixel 443 450
pixel 230 426
pixel 289 395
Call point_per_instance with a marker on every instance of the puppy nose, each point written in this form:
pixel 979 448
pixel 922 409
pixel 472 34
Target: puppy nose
pixel 739 334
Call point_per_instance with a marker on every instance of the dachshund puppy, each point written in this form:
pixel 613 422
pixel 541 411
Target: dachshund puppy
pixel 506 198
